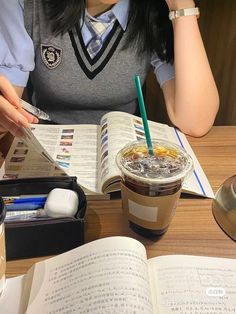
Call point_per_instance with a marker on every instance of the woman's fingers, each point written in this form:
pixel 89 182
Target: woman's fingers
pixel 28 116
pixel 12 119
pixel 8 91
pixel 12 116
pixel 10 112
pixel 13 128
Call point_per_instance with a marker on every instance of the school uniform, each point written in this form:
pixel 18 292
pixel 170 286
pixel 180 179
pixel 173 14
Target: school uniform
pixel 69 84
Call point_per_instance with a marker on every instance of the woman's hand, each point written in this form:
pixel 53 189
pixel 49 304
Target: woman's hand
pixel 180 4
pixel 12 116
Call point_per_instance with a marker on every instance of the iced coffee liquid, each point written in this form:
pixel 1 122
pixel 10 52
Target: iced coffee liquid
pixel 165 163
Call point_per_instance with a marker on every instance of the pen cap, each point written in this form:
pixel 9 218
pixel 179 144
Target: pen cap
pixel 61 203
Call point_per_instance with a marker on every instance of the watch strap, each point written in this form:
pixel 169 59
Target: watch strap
pixel 184 12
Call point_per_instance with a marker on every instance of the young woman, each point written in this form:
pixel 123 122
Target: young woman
pixel 83 56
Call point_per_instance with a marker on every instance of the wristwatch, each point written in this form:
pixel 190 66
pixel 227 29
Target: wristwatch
pixel 184 12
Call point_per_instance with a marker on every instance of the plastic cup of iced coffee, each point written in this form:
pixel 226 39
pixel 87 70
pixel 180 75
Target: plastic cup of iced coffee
pixel 151 184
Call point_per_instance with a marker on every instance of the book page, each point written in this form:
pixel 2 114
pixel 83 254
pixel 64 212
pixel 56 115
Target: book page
pixel 72 148
pixel 10 300
pixel 116 131
pixel 105 276
pixel 192 284
pixel 197 183
pixel 119 128
pixel 28 158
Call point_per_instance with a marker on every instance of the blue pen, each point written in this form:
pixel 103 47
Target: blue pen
pixel 26 200
pixel 24 206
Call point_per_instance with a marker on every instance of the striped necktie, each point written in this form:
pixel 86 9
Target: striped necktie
pixel 97 29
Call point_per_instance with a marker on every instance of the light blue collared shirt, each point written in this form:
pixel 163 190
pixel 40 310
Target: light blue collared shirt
pixel 17 50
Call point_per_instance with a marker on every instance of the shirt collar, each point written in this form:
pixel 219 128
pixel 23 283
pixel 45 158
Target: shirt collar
pixel 121 12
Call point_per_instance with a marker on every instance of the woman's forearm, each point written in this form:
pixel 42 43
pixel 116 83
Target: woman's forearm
pixel 195 98
pixel 192 98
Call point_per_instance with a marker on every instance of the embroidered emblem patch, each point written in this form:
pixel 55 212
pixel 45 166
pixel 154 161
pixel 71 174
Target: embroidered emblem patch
pixel 51 56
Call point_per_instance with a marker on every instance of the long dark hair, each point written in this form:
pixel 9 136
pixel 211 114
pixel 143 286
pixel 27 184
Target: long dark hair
pixel 149 27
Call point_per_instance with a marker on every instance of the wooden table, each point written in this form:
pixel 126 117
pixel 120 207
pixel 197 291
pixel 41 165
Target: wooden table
pixel 193 229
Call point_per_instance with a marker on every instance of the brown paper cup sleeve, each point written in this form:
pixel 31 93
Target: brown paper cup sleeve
pixel 149 212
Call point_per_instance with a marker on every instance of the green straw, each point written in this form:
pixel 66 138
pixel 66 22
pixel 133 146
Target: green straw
pixel 143 114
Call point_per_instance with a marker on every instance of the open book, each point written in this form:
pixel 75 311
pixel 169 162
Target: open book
pixel 113 275
pixel 88 152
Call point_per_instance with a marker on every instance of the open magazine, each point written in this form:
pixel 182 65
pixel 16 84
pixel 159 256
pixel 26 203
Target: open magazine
pixel 89 151
pixel 113 275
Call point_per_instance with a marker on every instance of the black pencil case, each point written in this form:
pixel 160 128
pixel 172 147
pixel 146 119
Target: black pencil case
pixel 34 238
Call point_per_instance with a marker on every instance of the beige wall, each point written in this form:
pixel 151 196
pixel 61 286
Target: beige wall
pixel 218 27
